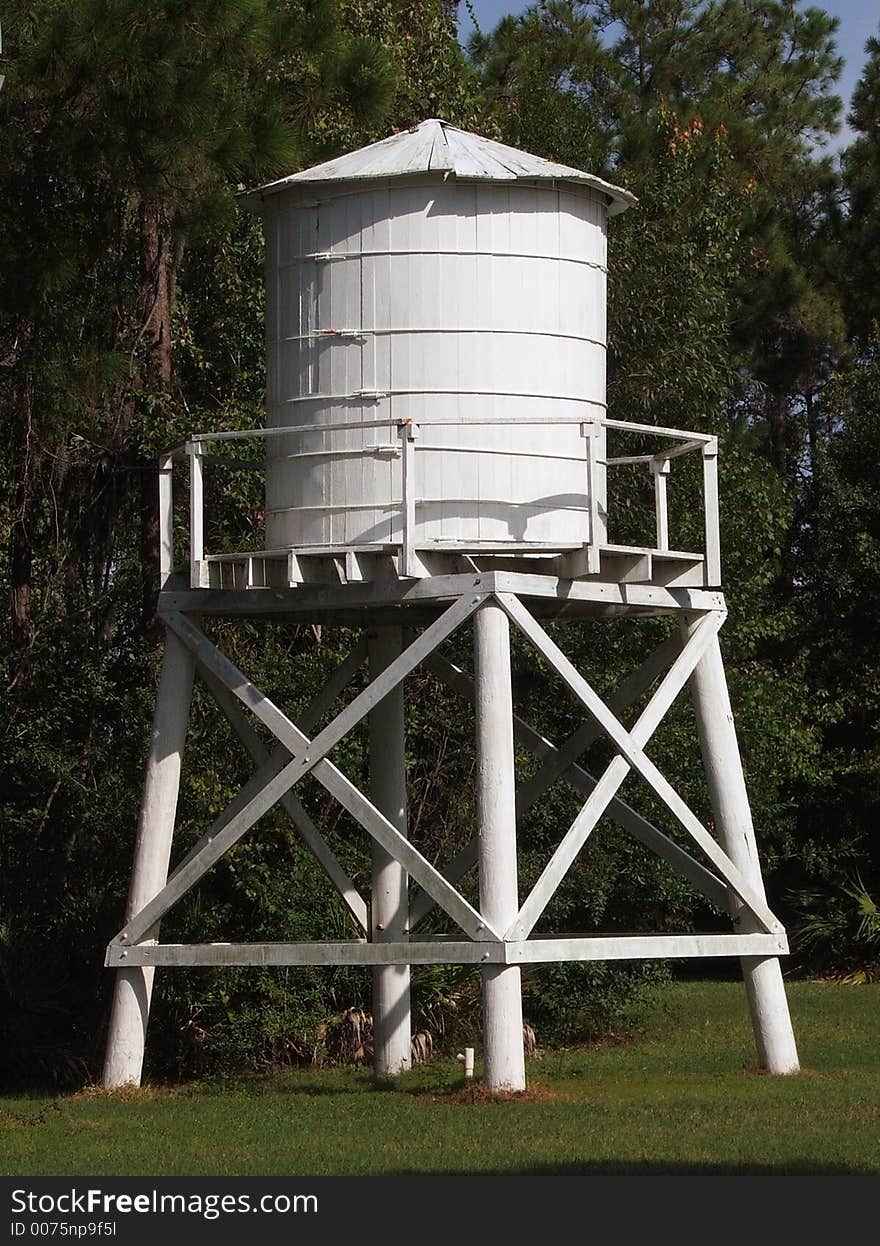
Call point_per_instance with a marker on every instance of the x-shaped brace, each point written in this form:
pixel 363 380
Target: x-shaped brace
pixel 278 774
pixel 297 756
pixel 562 760
pixel 631 756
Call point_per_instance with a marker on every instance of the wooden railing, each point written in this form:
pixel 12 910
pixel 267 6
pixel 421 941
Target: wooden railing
pixel 407 444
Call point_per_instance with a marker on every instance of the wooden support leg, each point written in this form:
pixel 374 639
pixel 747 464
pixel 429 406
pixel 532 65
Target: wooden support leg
pixel 392 1030
pixel 777 1051
pixel 124 1058
pixel 496 822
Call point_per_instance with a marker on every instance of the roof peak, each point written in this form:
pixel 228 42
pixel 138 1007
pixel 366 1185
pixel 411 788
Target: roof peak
pixel 438 146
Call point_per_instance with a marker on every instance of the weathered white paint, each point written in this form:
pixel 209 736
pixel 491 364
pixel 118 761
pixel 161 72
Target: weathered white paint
pixel 711 516
pixel 166 518
pixel 321 952
pixel 123 1063
pixel 301 820
pixel 496 824
pixel 660 472
pixel 196 515
pixel 640 762
pixel 244 812
pixel 604 791
pixel 447 297
pixel 774 1036
pixel 444 951
pixel 325 600
pixel 392 1028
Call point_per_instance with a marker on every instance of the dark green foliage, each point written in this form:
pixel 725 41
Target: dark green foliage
pixel 861 174
pixel 741 295
pixel 125 131
pixel 840 604
pixel 839 929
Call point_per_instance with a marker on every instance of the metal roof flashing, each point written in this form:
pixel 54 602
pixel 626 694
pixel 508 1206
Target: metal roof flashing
pixel 434 146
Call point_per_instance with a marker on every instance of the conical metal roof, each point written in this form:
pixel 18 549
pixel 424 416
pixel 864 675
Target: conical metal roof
pixel 435 146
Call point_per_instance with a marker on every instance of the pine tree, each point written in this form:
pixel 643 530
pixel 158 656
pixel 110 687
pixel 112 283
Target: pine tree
pixel 760 73
pixel 127 125
pixel 861 168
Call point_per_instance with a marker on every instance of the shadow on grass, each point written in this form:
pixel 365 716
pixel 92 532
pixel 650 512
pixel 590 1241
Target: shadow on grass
pixel 659 1168
pixel 335 1082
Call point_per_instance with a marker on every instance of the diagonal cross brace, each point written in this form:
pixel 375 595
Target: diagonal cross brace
pixel 557 762
pixel 609 783
pixel 310 756
pixel 304 825
pixel 269 765
pixel 336 684
pixel 296 766
pixel 633 755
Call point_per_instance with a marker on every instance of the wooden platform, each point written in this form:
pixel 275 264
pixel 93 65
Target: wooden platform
pixel 380 564
pixel 359 602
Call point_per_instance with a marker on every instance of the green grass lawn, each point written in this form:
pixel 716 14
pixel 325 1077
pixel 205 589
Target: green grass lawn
pixel 682 1098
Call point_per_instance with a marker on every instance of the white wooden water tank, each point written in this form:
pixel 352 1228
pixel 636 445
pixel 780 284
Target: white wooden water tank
pixel 444 279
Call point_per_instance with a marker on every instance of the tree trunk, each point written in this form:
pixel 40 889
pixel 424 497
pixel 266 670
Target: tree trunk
pixel 21 546
pixel 154 314
pixel 776 407
pixel 154 303
pixel 20 587
pixel 149 543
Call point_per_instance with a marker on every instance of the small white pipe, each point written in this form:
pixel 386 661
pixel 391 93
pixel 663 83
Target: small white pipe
pixel 467 1059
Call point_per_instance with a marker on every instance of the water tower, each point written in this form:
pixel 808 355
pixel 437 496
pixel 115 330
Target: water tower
pixel 437 453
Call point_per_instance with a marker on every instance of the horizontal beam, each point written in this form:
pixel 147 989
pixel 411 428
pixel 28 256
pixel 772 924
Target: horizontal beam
pixel 349 952
pixel 451 952
pixel 305 599
pixel 612 594
pixel 308 599
pixel 645 947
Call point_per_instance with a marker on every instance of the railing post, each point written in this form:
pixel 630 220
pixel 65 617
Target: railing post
pixel 408 433
pixel 196 515
pixel 710 503
pixel 660 470
pixel 591 434
pixel 166 518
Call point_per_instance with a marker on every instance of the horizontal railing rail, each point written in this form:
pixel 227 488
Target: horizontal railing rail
pixel 197 453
